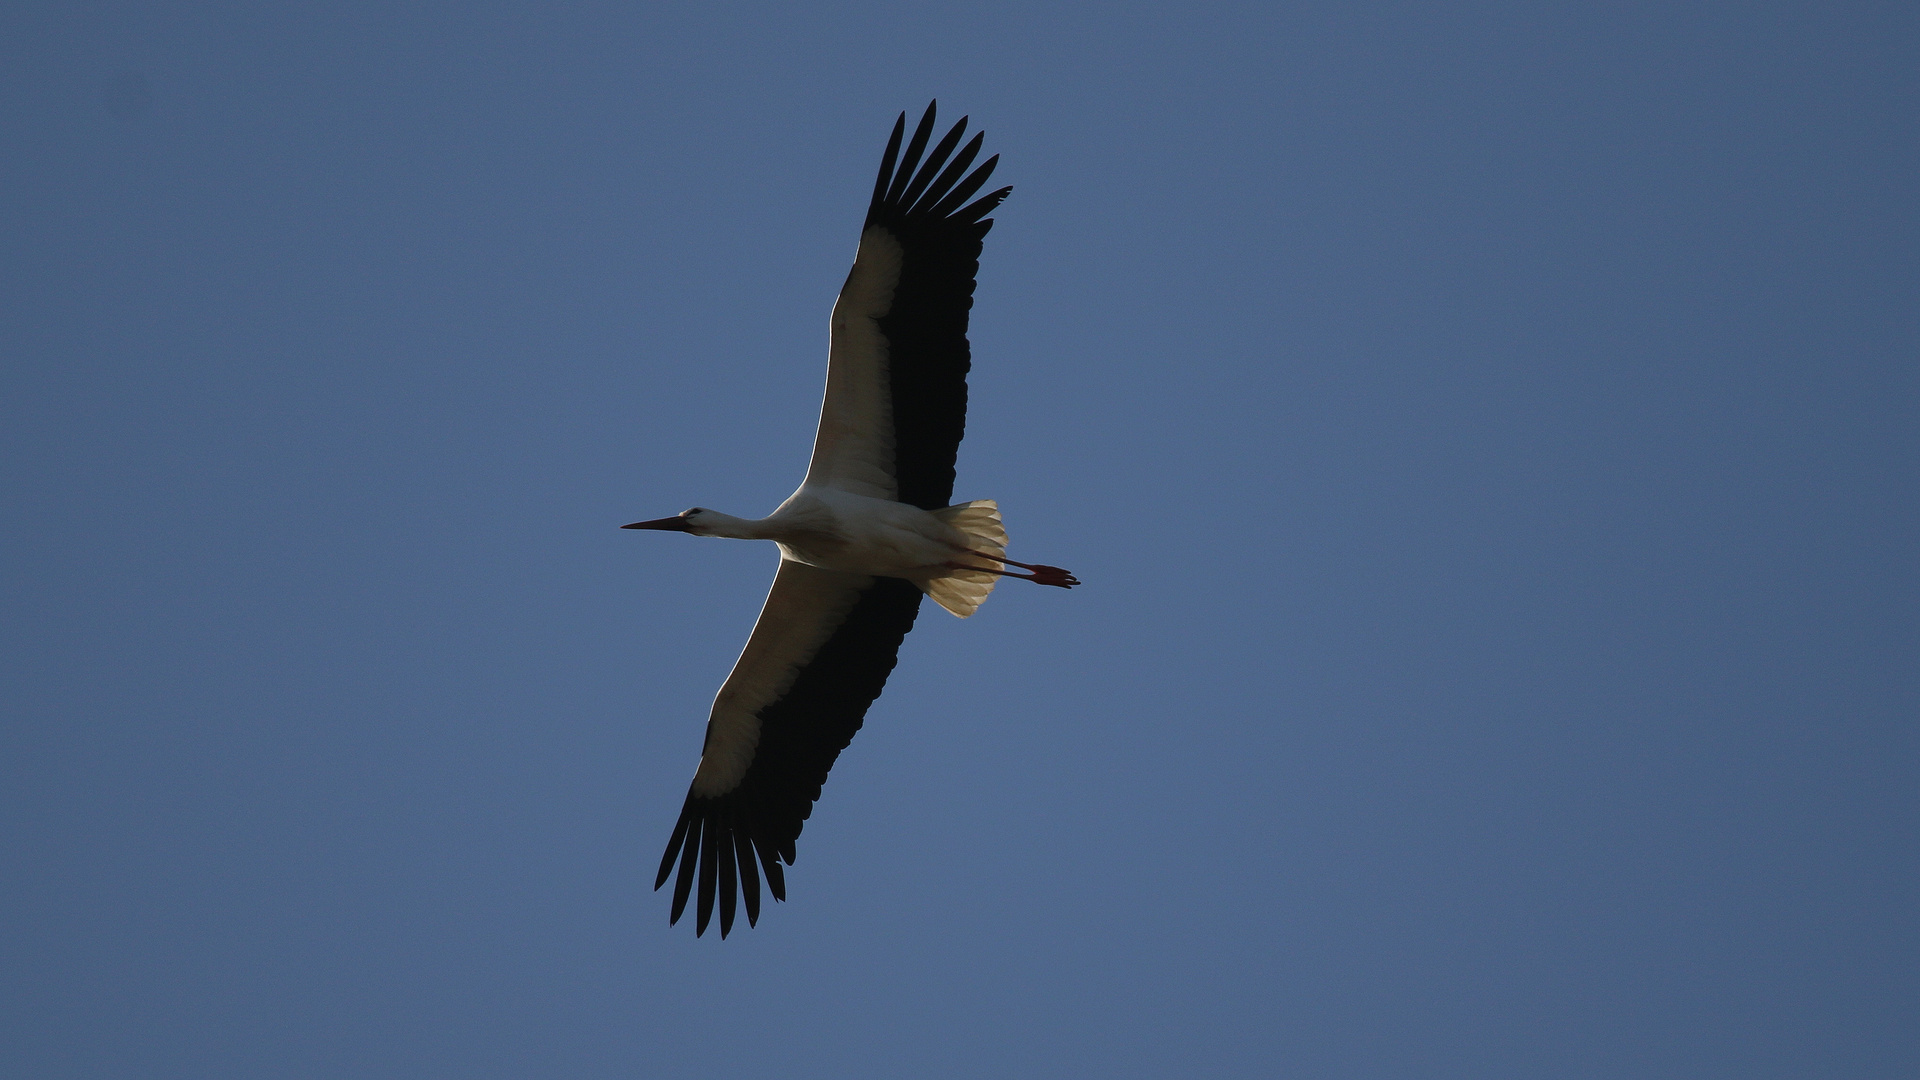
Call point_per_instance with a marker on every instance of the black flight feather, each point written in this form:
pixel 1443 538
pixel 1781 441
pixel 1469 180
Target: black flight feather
pixel 776 877
pixel 887 159
pixel 931 167
pixel 912 156
pixel 933 196
pixel 749 875
pixel 689 860
pixel 673 848
pixel 729 887
pixel 709 873
pixel 964 190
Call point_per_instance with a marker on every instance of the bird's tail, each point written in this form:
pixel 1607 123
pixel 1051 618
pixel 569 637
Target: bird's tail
pixel 963 591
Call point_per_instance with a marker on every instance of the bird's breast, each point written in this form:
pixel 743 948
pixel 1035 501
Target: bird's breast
pixel 860 535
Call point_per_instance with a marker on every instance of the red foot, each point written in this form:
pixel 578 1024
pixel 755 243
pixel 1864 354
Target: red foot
pixel 1053 575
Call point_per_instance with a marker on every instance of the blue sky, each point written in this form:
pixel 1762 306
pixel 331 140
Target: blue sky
pixel 1486 432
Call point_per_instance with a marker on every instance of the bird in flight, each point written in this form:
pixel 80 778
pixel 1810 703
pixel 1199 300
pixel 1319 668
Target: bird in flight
pixel 869 531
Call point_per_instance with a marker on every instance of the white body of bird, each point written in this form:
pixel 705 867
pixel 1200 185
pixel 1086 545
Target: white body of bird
pixel 939 550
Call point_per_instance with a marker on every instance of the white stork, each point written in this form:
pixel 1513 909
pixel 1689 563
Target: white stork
pixel 869 530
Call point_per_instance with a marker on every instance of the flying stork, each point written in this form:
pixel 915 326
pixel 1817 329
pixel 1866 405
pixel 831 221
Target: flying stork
pixel 868 532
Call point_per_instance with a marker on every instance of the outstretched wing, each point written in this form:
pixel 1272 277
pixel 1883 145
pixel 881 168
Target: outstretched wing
pixel 819 655
pixel 896 402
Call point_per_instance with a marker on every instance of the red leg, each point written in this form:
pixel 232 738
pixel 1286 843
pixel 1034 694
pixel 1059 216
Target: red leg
pixel 1042 575
pixel 1003 559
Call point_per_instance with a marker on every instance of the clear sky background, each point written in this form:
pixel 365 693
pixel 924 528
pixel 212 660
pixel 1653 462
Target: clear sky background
pixel 1487 433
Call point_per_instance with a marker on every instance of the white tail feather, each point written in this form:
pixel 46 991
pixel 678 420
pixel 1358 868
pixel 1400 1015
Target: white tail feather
pixel 963 591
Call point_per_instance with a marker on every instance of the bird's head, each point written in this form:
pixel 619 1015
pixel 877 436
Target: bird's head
pixel 699 521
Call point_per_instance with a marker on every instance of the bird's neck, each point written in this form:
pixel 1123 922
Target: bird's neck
pixel 718 524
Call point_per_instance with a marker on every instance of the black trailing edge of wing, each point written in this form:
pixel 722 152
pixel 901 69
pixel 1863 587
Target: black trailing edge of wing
pixel 723 845
pixel 924 203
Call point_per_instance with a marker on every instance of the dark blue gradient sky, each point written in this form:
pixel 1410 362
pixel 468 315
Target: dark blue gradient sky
pixel 1487 432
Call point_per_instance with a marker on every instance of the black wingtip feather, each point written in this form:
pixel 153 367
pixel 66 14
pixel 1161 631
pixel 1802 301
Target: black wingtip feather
pixel 729 886
pixel 940 190
pixel 749 876
pixel 688 861
pixel 912 156
pixel 776 877
pixel 983 206
pixel 911 194
pixel 930 168
pixel 964 190
pixel 887 160
pixel 673 847
pixel 709 873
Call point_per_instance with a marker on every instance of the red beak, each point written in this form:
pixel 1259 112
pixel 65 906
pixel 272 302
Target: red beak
pixel 675 523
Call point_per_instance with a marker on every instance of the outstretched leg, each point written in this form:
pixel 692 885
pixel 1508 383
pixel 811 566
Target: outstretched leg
pixel 1052 575
pixel 1042 575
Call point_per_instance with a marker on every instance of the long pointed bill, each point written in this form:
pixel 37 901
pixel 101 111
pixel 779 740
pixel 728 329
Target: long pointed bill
pixel 675 523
